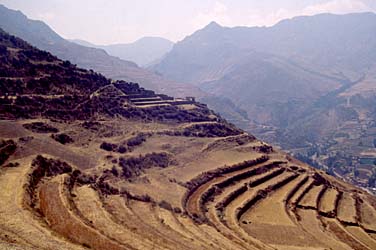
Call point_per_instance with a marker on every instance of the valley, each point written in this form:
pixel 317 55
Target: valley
pixel 306 84
pixel 94 163
pixel 98 153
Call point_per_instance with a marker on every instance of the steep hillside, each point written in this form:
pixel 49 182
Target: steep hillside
pixel 144 51
pixel 35 83
pixel 43 37
pixel 91 163
pixel 295 80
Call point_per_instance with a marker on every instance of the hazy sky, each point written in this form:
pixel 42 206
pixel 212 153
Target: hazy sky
pixel 121 21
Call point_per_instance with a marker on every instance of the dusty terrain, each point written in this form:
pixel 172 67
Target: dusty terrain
pixel 228 192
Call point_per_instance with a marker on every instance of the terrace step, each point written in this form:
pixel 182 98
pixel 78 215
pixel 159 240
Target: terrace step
pixel 20 225
pixel 273 209
pixel 145 99
pixel 124 215
pixel 327 205
pixel 361 235
pixel 310 199
pixel 202 183
pixel 146 215
pixel 337 229
pixel 90 206
pixel 346 210
pixel 65 222
pixel 317 234
pixel 367 215
pixel 231 211
pixel 216 239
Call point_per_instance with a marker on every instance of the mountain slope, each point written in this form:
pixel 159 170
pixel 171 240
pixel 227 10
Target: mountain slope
pixel 40 35
pixel 144 51
pixel 125 168
pixel 307 84
pixel 316 41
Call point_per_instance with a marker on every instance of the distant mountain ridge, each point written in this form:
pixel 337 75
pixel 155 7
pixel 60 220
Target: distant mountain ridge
pixel 296 60
pixel 43 37
pixel 307 83
pixel 144 51
pixel 41 85
pixel 328 41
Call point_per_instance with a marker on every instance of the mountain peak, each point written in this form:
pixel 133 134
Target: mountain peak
pixel 213 25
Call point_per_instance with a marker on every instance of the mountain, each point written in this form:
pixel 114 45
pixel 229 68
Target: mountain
pixel 305 53
pixel 91 163
pixel 35 83
pixel 317 40
pixel 295 80
pixel 83 43
pixel 43 37
pixel 144 51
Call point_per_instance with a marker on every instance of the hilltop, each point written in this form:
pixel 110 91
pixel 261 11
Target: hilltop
pixel 91 163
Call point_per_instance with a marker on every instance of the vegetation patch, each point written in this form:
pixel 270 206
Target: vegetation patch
pixel 44 167
pixel 11 165
pixel 62 138
pixel 93 125
pixel 137 140
pixel 125 146
pixel 164 204
pixel 232 196
pixel 7 148
pixel 207 130
pixel 134 166
pixel 40 127
pixel 50 167
pixel 212 130
pixel 110 147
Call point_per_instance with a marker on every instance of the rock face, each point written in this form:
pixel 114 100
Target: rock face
pixel 147 171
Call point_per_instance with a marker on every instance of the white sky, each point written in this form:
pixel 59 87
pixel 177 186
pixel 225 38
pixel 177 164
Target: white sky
pixel 123 21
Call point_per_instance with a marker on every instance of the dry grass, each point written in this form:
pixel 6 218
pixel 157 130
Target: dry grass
pixel 272 210
pixel 362 236
pixel 346 209
pixel 63 221
pixel 90 206
pixel 368 216
pixel 90 216
pixel 328 201
pixel 310 199
pixel 18 223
